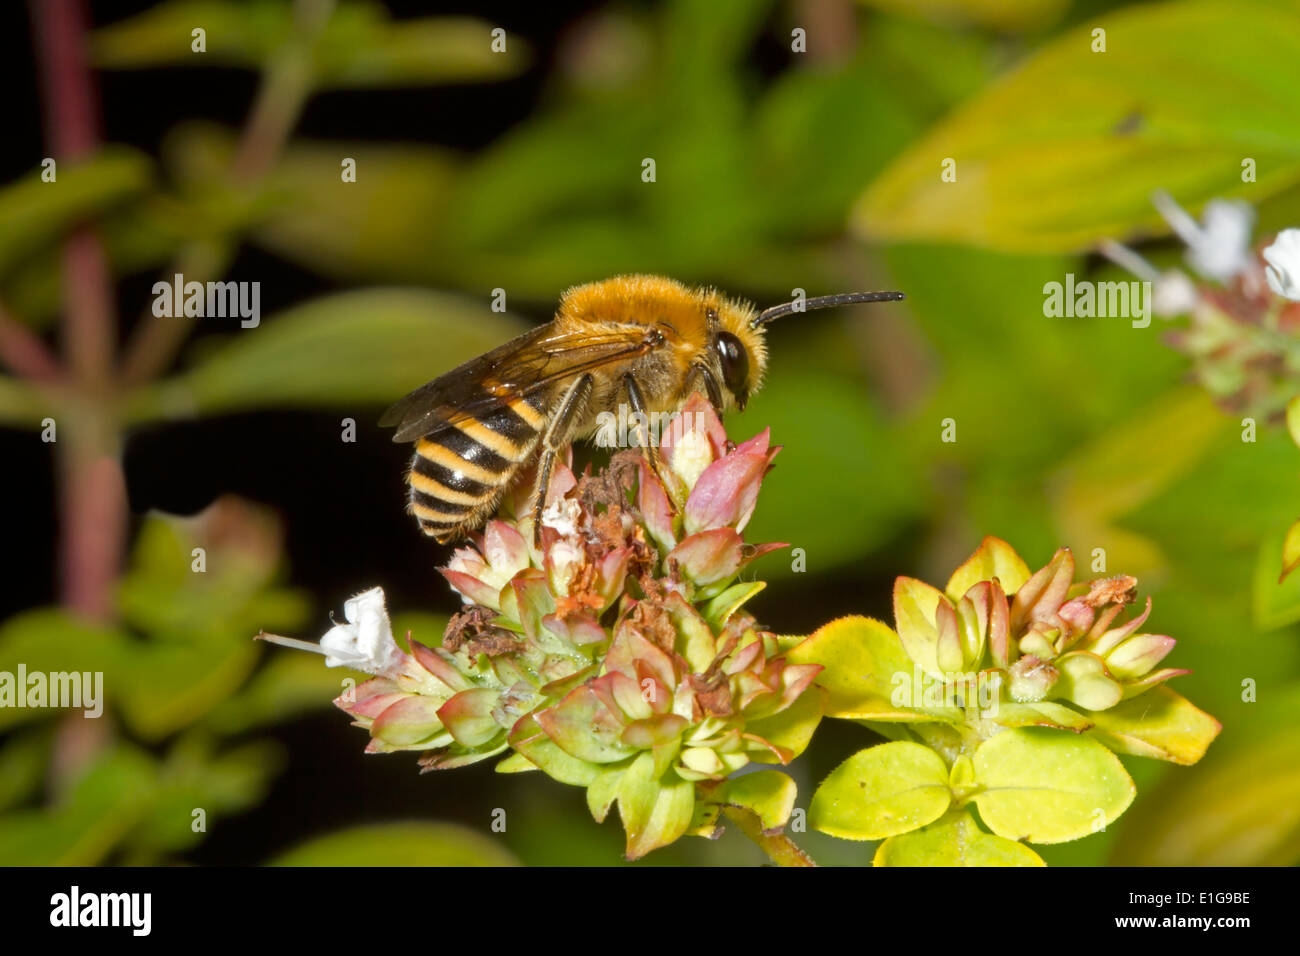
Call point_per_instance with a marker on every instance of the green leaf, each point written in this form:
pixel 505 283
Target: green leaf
pixel 655 810
pixel 1043 713
pixel 359 47
pixel 768 793
pixel 367 347
pixel 546 755
pixel 194 776
pixel 719 610
pixel 1068 148
pixel 1290 551
pixel 1275 602
pixel 82 829
pixel 516 763
pixel 1046 786
pixel 34 213
pixel 49 642
pixel 398 844
pixel 915 607
pixel 373 230
pixel 865 668
pixel 791 728
pixel 170 685
pixel 1293 419
pixel 360 50
pixel 882 791
pixel 1000 15
pixel 954 840
pixel 994 558
pixel 1160 723
pixel 23 762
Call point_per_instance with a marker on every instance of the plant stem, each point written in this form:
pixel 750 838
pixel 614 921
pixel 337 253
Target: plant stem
pixel 92 486
pixel 779 848
pixel 24 352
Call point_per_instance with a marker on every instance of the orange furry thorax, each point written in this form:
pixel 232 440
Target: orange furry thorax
pixel 677 308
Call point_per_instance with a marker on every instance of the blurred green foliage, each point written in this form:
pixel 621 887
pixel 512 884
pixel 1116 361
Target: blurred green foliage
pixel 823 176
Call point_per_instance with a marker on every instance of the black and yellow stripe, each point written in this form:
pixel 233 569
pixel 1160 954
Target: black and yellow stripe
pixel 460 470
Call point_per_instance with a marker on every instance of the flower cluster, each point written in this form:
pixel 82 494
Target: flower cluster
pixel 614 655
pixel 1007 692
pixel 1244 312
pixel 1041 643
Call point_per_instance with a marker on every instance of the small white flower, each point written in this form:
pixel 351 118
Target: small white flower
pixel 1218 248
pixel 1283 269
pixel 364 643
pixel 1173 294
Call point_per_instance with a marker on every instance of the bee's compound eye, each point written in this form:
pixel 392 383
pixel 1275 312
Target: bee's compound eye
pixel 734 361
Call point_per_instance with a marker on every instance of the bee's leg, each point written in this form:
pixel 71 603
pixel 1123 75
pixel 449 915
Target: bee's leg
pixel 558 434
pixel 676 495
pixel 701 373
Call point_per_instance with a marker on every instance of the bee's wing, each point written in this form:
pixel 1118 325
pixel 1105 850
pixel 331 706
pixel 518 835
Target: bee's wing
pixel 525 365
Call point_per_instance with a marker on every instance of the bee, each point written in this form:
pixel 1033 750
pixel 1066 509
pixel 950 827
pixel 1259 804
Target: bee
pixel 646 341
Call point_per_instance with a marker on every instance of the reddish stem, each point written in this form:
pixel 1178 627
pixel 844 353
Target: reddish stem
pixel 23 351
pixel 92 486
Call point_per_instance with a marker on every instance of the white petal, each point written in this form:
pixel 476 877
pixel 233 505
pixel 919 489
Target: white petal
pixel 366 641
pixel 342 648
pixel 1283 264
pixel 1218 247
pixel 1223 249
pixel 1173 294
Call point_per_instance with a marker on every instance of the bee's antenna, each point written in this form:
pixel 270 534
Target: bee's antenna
pixel 822 302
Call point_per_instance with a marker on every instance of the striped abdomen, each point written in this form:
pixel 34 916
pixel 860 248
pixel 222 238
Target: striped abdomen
pixel 460 471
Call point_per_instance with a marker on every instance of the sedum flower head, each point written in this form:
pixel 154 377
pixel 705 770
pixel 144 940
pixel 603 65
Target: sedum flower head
pixel 1038 636
pixel 616 654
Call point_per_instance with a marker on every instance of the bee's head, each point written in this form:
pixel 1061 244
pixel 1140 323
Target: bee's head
pixel 736 355
pixel 738 352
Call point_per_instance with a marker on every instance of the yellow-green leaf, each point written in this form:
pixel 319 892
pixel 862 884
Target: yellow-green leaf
pixel 994 558
pixel 791 728
pixel 768 793
pixel 1068 148
pixel 1275 597
pixel 915 604
pixel 1048 786
pixel 365 347
pixel 655 810
pixel 954 840
pixel 882 791
pixel 865 667
pixel 358 47
pixel 1160 723
pixel 1290 551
